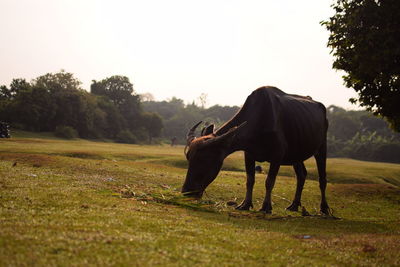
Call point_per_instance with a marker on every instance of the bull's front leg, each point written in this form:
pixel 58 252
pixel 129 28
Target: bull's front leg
pixel 250 173
pixel 269 185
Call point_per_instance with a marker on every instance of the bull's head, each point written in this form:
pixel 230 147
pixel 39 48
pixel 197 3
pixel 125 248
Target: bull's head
pixel 205 155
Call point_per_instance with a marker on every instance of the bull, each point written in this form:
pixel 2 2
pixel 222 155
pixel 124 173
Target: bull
pixel 272 126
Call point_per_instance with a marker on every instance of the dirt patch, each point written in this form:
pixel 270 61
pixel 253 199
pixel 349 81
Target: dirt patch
pixel 362 243
pixel 82 155
pixel 36 160
pixel 135 157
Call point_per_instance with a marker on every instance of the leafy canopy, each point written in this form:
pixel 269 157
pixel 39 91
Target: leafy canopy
pixel 365 38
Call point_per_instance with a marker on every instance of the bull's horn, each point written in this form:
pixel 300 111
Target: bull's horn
pixel 190 135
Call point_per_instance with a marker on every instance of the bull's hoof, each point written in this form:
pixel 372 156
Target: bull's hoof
pixel 266 208
pixel 325 210
pixel 267 211
pixel 294 206
pixel 245 205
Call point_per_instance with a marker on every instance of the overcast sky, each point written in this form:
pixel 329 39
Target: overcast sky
pixel 182 48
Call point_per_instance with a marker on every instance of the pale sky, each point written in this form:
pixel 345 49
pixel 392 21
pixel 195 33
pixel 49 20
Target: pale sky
pixel 181 48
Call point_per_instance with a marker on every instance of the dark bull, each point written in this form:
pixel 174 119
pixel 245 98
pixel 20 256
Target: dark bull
pixel 272 126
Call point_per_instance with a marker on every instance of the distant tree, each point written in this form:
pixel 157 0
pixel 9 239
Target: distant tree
pixel 153 125
pixel 4 103
pixel 111 121
pixel 30 106
pixel 51 100
pixel 117 88
pixel 7 97
pixel 365 38
pixel 203 100
pixel 222 113
pixel 374 124
pixel 360 135
pixel 342 125
pixel 60 81
pixel 16 86
pixel 166 109
pixel 146 97
pixel 66 103
pixel 4 92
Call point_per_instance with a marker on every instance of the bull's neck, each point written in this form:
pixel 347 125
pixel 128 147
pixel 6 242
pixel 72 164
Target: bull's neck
pixel 238 140
pixel 227 125
pixel 235 121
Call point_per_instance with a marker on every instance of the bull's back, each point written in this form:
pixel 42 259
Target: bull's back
pixel 304 125
pixel 289 127
pixel 280 127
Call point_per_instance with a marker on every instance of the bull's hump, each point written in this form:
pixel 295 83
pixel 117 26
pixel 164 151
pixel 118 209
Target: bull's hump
pixel 270 90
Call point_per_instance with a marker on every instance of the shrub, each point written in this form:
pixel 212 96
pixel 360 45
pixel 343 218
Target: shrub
pixel 66 132
pixel 126 137
pixel 140 134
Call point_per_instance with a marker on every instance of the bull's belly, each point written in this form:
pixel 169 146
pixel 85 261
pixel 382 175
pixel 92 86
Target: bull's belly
pixel 286 160
pixel 282 153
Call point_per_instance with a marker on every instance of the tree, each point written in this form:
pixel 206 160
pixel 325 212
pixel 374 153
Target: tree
pixel 54 82
pixel 64 103
pixel 112 121
pixel 203 100
pixel 153 125
pixel 117 88
pixel 146 97
pixel 364 38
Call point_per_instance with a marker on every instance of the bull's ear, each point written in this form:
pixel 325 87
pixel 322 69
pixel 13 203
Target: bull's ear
pixel 207 130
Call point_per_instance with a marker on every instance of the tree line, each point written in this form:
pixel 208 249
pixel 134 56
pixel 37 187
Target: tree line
pixel 360 135
pixel 56 102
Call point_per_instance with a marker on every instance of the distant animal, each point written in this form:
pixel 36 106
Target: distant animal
pixel 173 141
pixel 4 130
pixel 258 169
pixel 283 129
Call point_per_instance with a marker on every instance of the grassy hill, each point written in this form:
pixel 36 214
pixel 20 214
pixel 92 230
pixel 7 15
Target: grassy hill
pixel 93 203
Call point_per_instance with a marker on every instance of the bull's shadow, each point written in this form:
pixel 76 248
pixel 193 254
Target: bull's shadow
pixel 294 224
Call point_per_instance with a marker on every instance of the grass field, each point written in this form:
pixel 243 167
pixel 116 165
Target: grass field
pixel 82 203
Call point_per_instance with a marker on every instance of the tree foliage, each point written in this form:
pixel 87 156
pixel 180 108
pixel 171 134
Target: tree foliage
pixel 117 88
pixel 56 101
pixel 364 38
pixel 359 135
pixel 153 124
pixel 119 91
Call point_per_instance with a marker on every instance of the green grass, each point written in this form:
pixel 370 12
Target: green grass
pixel 93 203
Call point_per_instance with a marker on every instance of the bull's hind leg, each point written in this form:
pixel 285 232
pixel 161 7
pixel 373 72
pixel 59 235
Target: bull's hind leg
pixel 301 174
pixel 250 173
pixel 320 158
